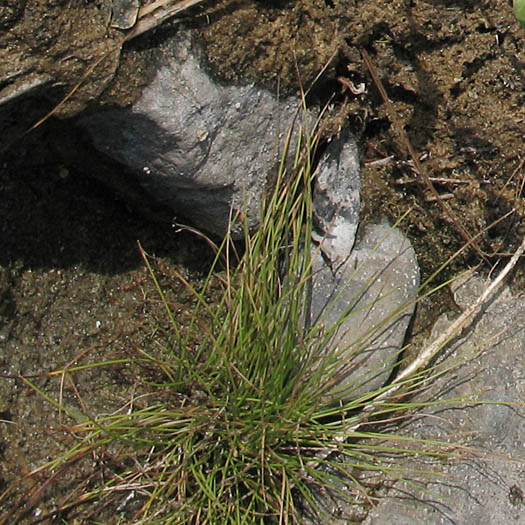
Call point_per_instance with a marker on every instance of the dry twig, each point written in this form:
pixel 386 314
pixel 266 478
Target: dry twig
pixel 417 164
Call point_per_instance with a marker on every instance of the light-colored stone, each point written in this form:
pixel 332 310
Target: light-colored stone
pixel 204 149
pixel 374 289
pixel 337 198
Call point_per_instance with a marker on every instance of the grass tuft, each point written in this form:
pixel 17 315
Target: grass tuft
pixel 236 429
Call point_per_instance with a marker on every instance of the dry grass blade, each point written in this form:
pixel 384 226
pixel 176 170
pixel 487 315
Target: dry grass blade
pixel 154 14
pixel 457 327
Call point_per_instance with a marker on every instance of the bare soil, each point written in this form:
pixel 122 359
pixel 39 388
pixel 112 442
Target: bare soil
pixel 454 72
pixel 72 284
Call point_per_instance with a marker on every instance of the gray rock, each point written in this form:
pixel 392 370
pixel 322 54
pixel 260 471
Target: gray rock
pixel 337 198
pixel 124 13
pixel 374 288
pixel 203 149
pixel 372 285
pixel 488 484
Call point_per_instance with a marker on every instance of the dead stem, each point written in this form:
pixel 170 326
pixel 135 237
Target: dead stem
pixel 417 164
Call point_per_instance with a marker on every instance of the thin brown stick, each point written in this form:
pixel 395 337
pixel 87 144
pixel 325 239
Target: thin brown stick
pixel 442 197
pixel 73 90
pixel 438 180
pixel 419 168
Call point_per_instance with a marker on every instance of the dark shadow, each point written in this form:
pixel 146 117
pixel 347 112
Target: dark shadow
pixel 60 207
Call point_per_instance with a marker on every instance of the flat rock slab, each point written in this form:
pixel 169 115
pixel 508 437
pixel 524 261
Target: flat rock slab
pixel 487 486
pixel 203 149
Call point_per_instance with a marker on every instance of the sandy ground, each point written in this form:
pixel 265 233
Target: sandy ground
pixel 72 284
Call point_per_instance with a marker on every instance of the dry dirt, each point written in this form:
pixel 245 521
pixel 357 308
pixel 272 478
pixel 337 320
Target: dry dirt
pixel 71 279
pixel 454 72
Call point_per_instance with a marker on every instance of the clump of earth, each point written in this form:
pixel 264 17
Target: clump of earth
pixel 71 278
